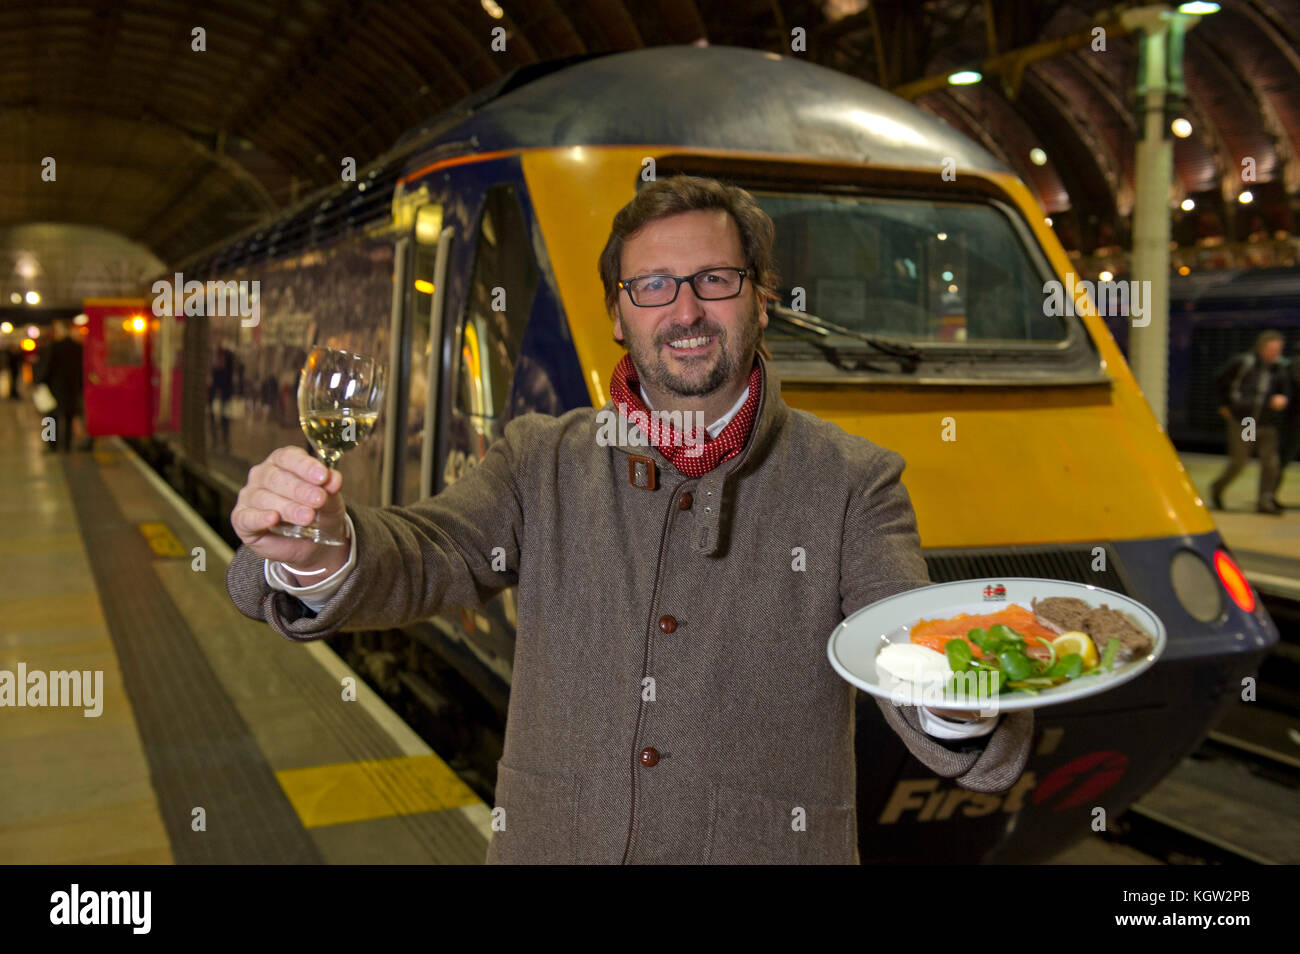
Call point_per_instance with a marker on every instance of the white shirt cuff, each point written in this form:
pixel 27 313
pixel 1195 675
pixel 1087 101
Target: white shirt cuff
pixel 316 595
pixel 941 728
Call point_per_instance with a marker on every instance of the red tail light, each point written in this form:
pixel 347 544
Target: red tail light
pixel 1234 581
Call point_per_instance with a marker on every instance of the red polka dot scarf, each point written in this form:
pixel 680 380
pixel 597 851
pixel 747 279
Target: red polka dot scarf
pixel 685 451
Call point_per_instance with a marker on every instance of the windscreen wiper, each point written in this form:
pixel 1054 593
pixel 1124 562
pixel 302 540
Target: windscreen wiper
pixel 818 331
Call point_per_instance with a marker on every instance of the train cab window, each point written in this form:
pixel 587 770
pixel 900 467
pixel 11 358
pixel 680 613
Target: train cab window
pixel 123 344
pixel 500 297
pixel 924 270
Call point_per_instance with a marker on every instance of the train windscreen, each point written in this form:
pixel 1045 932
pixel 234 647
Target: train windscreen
pixel 916 269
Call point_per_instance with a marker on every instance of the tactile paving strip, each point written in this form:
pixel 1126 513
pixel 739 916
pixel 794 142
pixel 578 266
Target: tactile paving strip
pixel 200 751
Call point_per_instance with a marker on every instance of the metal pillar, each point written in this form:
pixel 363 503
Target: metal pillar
pixel 1160 76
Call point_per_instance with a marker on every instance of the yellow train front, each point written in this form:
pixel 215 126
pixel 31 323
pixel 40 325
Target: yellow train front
pixel 468 256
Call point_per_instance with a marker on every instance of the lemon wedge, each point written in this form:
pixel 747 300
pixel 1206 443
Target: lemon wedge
pixel 1077 642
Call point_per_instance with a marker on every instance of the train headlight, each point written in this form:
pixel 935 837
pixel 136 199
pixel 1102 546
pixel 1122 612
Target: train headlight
pixel 1234 581
pixel 1195 586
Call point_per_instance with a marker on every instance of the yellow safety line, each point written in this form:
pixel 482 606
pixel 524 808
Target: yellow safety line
pixel 162 541
pixel 373 788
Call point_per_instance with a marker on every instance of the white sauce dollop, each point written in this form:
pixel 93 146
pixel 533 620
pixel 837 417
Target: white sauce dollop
pixel 908 662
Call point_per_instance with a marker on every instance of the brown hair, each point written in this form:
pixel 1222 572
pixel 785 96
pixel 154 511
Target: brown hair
pixel 1267 336
pixel 678 194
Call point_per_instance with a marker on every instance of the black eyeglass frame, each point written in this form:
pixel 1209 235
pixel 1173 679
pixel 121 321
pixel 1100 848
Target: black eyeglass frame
pixel 680 279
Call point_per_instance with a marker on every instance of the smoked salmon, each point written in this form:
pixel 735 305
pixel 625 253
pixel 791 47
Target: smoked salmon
pixel 935 633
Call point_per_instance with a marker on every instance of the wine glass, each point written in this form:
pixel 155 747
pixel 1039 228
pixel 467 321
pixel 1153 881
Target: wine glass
pixel 339 396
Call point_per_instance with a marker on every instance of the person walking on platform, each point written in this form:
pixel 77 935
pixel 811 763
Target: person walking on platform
pixel 1253 393
pixel 14 360
pixel 59 369
pixel 1291 429
pixel 660 622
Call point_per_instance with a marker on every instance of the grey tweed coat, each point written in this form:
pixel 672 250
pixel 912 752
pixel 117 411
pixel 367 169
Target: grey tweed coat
pixel 671 698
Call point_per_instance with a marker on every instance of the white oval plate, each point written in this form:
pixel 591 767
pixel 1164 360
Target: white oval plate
pixel 855 643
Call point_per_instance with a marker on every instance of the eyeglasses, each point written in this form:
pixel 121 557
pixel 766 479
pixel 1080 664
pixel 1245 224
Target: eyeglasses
pixel 712 284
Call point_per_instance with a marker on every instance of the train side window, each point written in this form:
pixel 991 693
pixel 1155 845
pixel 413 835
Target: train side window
pixel 500 298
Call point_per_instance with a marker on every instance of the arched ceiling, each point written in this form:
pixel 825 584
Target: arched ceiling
pixel 175 148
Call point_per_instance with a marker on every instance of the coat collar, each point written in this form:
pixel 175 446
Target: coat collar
pixel 711 497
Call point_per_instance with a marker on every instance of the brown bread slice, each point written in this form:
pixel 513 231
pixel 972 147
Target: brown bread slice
pixel 1105 623
pixel 1061 614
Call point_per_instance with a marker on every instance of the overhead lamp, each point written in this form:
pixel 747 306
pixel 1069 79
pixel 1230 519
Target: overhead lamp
pixel 964 78
pixel 33 298
pixel 1037 156
pixel 1198 8
pixel 6 328
pixel 1246 197
pixel 1106 276
pixel 1181 127
pixel 1187 204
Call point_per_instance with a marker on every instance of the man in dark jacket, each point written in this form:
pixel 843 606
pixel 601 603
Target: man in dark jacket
pixel 1253 393
pixel 59 369
pixel 14 362
pixel 1291 430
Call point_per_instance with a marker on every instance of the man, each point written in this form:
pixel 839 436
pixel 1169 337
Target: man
pixel 1291 432
pixel 1253 389
pixel 14 357
pixel 59 368
pixel 671 698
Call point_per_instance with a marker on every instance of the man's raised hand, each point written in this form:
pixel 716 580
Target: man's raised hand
pixel 294 487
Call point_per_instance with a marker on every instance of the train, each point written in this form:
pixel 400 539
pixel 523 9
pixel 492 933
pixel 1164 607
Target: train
pixel 466 256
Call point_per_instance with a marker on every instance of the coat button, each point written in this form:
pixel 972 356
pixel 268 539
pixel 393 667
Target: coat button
pixel 649 757
pixel 667 624
pixel 685 502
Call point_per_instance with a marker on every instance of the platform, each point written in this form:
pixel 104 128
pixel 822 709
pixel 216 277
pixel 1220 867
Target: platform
pixel 1267 547
pixel 217 741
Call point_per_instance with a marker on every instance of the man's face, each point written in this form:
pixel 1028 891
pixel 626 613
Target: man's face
pixel 683 245
pixel 1270 352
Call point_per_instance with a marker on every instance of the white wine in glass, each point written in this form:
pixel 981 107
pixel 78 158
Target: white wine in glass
pixel 339 397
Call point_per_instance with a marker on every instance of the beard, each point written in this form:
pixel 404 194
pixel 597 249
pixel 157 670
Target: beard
pixel 703 376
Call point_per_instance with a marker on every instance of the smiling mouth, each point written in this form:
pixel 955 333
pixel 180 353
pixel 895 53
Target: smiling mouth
pixel 687 345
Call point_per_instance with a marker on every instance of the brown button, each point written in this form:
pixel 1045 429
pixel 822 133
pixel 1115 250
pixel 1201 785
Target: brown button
pixel 649 757
pixel 685 502
pixel 667 623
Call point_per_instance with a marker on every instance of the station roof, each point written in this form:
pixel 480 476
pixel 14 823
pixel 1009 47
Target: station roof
pixel 176 147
